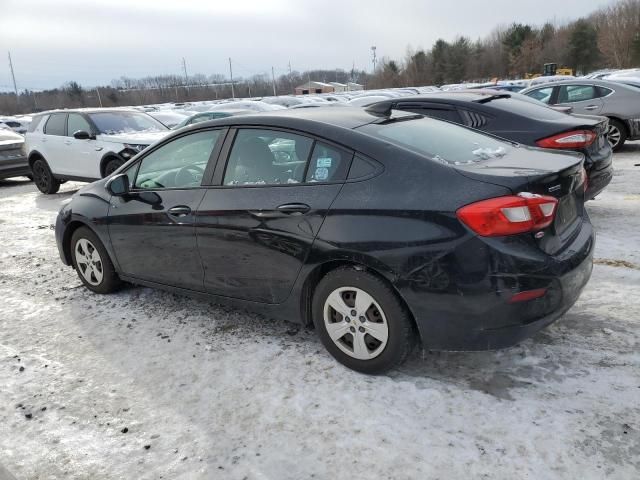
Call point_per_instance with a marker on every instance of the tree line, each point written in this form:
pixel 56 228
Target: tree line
pixel 607 38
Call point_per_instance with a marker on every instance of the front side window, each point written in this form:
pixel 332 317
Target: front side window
pixel 77 123
pixel 267 157
pixel 576 93
pixel 178 164
pixel 55 124
pixel 542 94
pixel 113 123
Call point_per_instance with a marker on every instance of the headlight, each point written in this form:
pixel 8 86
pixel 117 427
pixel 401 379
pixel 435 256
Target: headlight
pixel 23 148
pixel 135 146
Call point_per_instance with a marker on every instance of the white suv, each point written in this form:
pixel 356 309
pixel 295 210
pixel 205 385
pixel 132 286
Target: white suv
pixel 86 145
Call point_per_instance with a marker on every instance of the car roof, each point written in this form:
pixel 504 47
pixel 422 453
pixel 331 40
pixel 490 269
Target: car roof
pixel 91 110
pixel 347 118
pixel 578 81
pixel 455 95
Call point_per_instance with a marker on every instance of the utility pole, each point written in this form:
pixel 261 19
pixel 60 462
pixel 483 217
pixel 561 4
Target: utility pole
pixel 186 78
pixel 289 67
pixel 13 76
pixel 233 93
pixel 273 80
pixel 374 59
pixel 99 98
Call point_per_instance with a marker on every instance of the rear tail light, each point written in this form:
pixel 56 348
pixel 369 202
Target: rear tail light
pixel 509 215
pixel 573 139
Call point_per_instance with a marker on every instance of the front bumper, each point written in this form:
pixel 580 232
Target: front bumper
pixel 474 313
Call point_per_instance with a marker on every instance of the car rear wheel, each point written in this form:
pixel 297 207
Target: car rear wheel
pixel 44 179
pixel 361 321
pixel 112 166
pixel 92 262
pixel 616 134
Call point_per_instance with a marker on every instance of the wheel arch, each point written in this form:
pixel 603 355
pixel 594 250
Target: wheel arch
pixel 623 122
pixel 107 157
pixel 33 156
pixel 319 271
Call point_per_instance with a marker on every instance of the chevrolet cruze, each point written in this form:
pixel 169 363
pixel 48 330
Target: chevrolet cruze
pixel 381 228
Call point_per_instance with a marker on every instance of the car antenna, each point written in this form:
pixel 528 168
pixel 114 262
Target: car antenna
pixel 381 109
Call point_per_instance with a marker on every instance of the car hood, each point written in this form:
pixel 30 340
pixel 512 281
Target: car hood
pixel 137 138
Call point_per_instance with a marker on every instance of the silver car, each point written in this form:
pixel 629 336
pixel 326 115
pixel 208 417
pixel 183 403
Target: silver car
pixel 619 102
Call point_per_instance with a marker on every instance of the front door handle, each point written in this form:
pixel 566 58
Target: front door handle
pixel 294 208
pixel 591 107
pixel 67 142
pixel 179 211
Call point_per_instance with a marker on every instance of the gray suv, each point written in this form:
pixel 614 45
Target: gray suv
pixel 620 103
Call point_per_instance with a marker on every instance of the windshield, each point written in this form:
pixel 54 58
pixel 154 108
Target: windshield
pixel 111 123
pixel 441 141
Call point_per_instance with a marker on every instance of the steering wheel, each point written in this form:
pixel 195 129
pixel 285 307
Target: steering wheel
pixel 188 175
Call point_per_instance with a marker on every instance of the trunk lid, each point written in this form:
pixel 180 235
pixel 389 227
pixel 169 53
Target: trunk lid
pixel 544 172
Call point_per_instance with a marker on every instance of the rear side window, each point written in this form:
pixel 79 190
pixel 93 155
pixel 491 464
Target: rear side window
pixel 267 157
pixel 328 164
pixel 442 113
pixel 577 93
pixel 55 124
pixel 35 123
pixel 440 141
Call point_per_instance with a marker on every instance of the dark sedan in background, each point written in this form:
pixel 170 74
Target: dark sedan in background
pixel 380 228
pixel 13 155
pixel 522 120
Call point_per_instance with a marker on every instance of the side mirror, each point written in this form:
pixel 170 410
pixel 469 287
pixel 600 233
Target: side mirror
pixel 82 135
pixel 118 185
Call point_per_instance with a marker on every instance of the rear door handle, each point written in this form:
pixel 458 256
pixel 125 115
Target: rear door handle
pixel 591 107
pixel 67 142
pixel 285 210
pixel 179 211
pixel 293 208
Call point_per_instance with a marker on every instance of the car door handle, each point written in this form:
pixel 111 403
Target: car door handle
pixel 67 142
pixel 285 210
pixel 292 208
pixel 179 211
pixel 591 107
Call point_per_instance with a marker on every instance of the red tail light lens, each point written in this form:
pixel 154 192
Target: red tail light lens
pixel 509 215
pixel 573 139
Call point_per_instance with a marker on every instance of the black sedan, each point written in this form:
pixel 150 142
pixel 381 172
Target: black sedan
pixel 523 120
pixel 381 228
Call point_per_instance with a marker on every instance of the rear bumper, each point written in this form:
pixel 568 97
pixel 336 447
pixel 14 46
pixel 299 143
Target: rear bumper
pixel 598 180
pixel 475 313
pixel 14 167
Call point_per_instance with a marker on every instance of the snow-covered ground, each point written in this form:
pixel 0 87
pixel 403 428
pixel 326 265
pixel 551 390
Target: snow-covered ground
pixel 148 385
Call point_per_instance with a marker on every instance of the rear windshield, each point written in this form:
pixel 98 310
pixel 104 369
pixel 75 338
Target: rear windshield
pixel 441 141
pixel 526 107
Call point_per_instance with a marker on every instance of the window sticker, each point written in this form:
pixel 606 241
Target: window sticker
pixel 322 173
pixel 323 162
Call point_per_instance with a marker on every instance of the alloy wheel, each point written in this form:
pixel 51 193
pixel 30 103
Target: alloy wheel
pixel 89 262
pixel 613 135
pixel 356 323
pixel 40 176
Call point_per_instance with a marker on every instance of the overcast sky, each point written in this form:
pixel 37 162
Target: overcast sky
pixel 93 42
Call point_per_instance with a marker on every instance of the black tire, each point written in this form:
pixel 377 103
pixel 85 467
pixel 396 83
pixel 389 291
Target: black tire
pixel 618 133
pixel 111 166
pixel 110 282
pixel 44 179
pixel 401 334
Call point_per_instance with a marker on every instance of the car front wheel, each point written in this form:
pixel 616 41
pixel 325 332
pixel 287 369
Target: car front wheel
pixel 44 179
pixel 361 321
pixel 92 262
